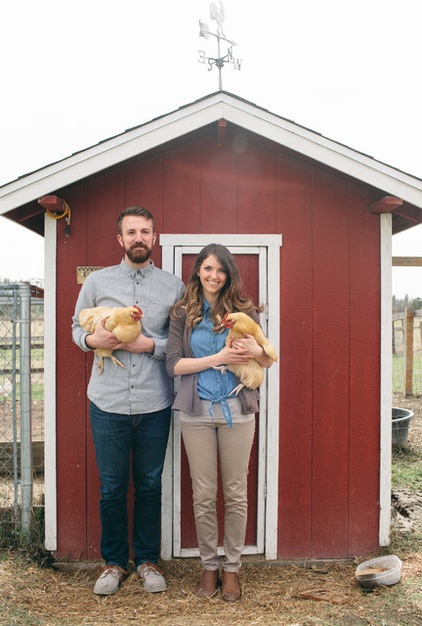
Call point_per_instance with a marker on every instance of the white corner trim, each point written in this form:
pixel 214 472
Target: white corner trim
pixel 50 470
pixel 386 378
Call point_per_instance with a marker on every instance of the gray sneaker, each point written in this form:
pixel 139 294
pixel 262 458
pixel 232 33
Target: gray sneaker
pixel 152 577
pixel 108 582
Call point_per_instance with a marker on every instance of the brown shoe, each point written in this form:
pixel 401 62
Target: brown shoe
pixel 231 587
pixel 208 585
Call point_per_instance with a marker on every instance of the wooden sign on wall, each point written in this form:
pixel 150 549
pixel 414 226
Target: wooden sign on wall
pixel 82 271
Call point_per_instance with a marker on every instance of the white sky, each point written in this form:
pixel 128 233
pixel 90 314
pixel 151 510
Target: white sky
pixel 74 74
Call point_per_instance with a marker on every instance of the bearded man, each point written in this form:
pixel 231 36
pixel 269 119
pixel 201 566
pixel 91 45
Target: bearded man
pixel 130 406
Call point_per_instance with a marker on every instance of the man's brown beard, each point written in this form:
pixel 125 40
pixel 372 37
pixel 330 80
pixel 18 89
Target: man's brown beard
pixel 138 256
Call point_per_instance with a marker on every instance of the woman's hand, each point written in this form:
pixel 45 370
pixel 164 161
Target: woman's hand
pixel 240 351
pixel 232 353
pixel 249 343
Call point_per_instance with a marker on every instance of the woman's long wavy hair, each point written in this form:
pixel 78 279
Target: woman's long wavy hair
pixel 231 297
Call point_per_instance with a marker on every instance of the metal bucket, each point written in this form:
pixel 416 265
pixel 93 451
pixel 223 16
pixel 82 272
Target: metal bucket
pixel 401 420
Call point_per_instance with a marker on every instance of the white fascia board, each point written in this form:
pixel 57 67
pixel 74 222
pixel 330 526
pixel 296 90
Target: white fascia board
pixel 102 156
pixel 189 118
pixel 328 152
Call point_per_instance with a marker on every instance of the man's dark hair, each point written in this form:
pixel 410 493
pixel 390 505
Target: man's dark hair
pixel 135 210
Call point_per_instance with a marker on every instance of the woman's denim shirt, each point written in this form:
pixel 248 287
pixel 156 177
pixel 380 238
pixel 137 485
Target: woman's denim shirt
pixel 213 384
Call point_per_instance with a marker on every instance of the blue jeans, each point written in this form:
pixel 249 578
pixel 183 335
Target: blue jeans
pixel 120 439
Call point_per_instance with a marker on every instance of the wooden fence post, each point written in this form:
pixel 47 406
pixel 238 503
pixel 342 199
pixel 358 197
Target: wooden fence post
pixel 408 358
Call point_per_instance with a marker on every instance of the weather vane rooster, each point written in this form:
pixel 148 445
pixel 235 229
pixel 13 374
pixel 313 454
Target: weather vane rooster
pixel 219 61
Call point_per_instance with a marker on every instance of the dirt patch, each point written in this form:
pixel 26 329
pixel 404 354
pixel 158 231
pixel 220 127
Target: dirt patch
pixel 407 504
pixel 406 510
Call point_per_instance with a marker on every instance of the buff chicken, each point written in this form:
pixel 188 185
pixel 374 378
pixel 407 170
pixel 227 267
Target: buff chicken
pixel 251 374
pixel 123 322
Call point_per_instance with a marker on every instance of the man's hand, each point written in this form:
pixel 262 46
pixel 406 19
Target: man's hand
pixel 141 344
pixel 102 338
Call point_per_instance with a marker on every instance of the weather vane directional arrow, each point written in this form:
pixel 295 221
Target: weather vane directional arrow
pixel 219 61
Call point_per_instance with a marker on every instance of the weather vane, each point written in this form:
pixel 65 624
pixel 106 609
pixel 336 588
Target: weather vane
pixel 219 61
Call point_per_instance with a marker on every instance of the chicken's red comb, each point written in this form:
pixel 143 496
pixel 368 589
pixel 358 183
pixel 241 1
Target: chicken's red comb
pixel 139 312
pixel 226 322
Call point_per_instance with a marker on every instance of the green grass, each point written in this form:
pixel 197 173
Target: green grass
pixel 18 616
pixel 37 391
pixel 37 354
pixel 37 361
pixel 398 373
pixel 406 470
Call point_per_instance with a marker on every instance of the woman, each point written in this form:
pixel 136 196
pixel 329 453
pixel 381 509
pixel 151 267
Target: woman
pixel 213 422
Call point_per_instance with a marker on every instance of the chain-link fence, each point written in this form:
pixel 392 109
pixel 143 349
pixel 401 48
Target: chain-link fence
pixel 21 405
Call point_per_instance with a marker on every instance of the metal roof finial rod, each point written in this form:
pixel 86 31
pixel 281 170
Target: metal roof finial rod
pixel 219 61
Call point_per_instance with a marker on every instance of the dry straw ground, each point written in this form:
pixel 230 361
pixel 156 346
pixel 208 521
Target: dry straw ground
pixel 282 595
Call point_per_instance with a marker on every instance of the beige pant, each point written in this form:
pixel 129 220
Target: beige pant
pixel 207 439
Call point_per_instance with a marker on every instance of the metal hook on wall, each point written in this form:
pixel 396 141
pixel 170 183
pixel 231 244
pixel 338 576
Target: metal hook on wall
pixel 57 208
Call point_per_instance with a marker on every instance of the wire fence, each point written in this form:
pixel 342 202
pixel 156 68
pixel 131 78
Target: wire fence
pixel 21 404
pixel 407 352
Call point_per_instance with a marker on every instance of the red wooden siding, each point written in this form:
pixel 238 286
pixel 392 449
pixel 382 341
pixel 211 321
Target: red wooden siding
pixel 326 486
pixel 365 347
pixel 329 353
pixel 331 358
pixel 294 215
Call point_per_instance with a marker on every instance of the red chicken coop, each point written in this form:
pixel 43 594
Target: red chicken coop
pixel 311 223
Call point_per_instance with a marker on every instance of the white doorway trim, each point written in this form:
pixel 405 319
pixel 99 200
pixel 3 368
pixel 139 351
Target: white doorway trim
pixel 268 249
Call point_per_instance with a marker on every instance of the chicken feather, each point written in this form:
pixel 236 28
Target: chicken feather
pixel 123 322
